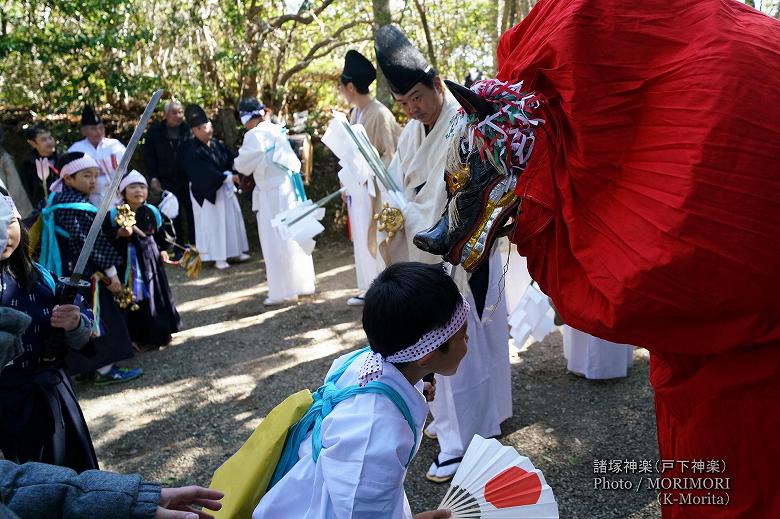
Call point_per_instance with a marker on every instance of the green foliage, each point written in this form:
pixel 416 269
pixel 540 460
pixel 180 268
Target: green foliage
pixel 57 54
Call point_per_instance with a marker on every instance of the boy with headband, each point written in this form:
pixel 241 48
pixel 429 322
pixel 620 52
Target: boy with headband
pixel 353 462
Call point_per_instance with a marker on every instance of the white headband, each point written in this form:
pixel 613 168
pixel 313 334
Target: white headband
pixel 12 205
pixel 71 168
pixel 373 366
pixel 246 116
pixel 134 177
pixel 7 213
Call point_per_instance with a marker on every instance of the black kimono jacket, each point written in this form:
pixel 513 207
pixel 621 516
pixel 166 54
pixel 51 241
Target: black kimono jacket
pixel 205 167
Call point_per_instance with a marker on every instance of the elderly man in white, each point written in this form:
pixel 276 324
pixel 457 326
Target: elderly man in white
pixel 107 152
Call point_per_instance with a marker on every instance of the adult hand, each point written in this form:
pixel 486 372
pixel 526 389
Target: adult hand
pixel 115 286
pixel 433 514
pixel 236 179
pixel 66 317
pixel 177 503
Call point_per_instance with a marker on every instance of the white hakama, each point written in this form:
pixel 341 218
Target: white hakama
pixel 289 270
pixel 219 227
pixel 477 398
pixel 361 468
pixel 360 215
pixel 267 156
pixel 595 358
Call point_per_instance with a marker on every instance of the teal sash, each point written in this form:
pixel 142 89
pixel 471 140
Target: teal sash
pixel 50 249
pixel 325 399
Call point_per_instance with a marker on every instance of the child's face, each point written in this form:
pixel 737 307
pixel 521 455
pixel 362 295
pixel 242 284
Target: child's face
pixel 43 144
pixel 84 181
pixel 136 194
pixel 14 235
pixel 446 361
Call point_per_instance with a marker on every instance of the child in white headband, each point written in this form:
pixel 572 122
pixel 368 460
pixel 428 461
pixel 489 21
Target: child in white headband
pixel 66 222
pixel 371 410
pixel 151 313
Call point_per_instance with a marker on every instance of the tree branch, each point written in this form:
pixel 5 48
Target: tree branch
pixel 427 30
pixel 322 49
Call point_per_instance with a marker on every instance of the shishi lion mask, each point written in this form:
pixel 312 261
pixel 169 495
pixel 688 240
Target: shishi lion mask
pixel 490 141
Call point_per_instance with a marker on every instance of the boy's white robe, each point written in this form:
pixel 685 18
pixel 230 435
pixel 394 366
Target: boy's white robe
pixel 595 358
pixel 419 161
pixel 103 153
pixel 478 397
pixel 219 227
pixel 361 468
pixel 266 154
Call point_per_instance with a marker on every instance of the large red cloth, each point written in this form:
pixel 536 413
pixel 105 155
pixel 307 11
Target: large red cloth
pixel 651 211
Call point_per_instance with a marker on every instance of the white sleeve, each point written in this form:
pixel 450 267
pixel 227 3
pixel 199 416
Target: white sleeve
pixel 252 156
pixel 363 458
pixel 118 149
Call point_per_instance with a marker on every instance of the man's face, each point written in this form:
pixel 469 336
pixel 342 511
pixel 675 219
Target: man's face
pixel 84 181
pixel 423 103
pixel 203 132
pixel 94 133
pixel 174 116
pixel 347 92
pixel 44 144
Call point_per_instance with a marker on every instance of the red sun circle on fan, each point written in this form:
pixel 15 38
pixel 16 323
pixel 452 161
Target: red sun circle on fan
pixel 513 487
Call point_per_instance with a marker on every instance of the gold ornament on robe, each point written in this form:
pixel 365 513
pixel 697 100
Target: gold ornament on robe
pixel 389 220
pixel 125 217
pixel 125 299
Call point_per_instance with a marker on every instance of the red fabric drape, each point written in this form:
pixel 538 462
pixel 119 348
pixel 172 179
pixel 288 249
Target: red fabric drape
pixel 652 210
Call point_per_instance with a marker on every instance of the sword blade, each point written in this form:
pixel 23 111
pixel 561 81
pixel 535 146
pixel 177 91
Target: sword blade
pixel 376 165
pixel 120 171
pixel 319 203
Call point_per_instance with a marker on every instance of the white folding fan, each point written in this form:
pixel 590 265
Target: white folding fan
pixel 495 482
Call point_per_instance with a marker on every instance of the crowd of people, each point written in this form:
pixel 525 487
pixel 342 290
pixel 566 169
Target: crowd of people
pixel 351 457
pixel 461 331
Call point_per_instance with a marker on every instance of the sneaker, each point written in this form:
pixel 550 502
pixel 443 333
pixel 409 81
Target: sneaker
pixel 221 265
pixel 243 257
pixel 275 302
pixel 83 378
pixel 355 301
pixel 117 375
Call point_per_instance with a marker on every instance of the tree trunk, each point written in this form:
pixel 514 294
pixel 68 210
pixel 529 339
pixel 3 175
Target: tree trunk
pixel 226 127
pixel 382 16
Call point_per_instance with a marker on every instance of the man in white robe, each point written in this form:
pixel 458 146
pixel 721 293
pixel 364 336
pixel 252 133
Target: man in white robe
pixel 595 358
pixel 107 152
pixel 383 131
pixel 478 398
pixel 219 225
pixel 418 165
pixel 266 154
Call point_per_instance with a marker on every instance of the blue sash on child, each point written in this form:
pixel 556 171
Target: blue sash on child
pixel 50 249
pixel 325 398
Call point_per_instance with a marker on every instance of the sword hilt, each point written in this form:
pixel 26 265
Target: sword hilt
pixel 55 348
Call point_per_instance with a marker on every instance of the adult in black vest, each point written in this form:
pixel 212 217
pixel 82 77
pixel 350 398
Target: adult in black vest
pixel 164 143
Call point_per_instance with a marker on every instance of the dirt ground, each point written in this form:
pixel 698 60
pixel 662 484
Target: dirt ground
pixel 202 396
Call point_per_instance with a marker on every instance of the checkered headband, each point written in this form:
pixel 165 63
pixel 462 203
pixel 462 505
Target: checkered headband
pixel 373 366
